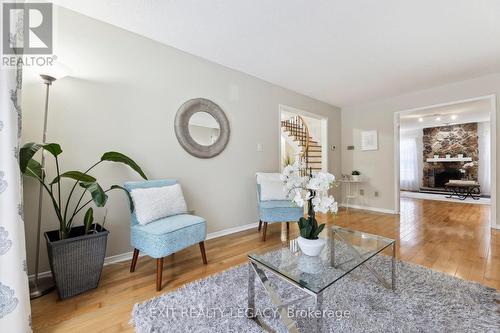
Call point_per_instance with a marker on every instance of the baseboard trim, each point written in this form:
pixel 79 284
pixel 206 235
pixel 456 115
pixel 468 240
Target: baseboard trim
pixel 128 255
pixel 373 209
pixel 232 230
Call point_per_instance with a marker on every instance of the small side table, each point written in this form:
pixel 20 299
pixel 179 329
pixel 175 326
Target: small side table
pixel 350 194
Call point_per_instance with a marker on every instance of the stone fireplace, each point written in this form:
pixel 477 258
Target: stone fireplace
pixel 452 140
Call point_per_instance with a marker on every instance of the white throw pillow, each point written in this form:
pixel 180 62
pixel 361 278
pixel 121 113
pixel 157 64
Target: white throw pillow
pixel 155 203
pixel 272 190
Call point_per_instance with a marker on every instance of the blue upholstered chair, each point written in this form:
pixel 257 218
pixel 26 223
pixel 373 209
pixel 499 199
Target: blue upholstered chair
pixel 275 210
pixel 165 236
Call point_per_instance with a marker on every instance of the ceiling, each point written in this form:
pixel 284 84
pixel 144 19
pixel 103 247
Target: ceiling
pixel 341 52
pixel 459 113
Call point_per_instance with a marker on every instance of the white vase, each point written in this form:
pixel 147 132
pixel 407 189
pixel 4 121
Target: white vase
pixel 355 178
pixel 311 247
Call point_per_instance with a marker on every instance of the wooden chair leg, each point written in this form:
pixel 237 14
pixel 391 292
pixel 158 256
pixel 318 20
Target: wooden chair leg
pixel 260 224
pixel 159 272
pixel 134 260
pixel 264 232
pixel 203 254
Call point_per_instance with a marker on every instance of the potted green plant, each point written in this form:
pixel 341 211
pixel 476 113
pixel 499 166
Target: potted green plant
pixel 355 176
pixel 76 254
pixel 312 189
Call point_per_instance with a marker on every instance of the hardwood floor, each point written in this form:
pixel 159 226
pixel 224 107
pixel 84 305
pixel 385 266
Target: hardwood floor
pixel 453 238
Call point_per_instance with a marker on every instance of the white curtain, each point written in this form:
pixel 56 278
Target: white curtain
pixel 15 313
pixel 484 163
pixel 409 166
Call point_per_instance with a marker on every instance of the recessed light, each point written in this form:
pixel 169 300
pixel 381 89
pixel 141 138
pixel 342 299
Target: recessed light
pixel 438 118
pixel 453 116
pixel 420 119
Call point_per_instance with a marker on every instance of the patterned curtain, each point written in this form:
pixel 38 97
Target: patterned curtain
pixel 15 312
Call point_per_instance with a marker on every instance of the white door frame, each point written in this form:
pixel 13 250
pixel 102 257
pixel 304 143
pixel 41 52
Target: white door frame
pixel 493 146
pixel 324 132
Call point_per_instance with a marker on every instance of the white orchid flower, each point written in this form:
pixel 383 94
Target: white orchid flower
pixel 314 187
pixel 298 199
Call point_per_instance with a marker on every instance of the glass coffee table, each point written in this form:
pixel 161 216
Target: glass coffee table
pixel 345 251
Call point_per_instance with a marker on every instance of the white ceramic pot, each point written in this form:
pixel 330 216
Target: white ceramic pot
pixel 355 178
pixel 448 156
pixel 436 156
pixel 311 247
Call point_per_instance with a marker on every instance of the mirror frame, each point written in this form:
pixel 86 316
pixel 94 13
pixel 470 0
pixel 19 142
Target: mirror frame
pixel 185 139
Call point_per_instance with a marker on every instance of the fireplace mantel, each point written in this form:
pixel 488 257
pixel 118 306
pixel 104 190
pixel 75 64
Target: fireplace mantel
pixel 451 159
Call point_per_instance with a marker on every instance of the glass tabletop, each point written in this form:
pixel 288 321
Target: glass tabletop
pixel 344 251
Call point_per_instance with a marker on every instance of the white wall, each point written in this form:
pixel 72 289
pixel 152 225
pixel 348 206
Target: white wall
pixel 378 166
pixel 314 127
pixel 124 95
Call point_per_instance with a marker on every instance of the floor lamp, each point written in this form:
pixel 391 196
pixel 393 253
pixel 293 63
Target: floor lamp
pixel 40 286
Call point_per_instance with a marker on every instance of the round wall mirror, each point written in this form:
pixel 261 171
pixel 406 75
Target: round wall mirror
pixel 202 128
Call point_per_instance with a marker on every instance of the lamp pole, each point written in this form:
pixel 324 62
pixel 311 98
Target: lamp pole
pixel 40 286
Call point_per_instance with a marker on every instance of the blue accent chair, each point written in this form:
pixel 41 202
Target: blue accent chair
pixel 165 236
pixel 273 211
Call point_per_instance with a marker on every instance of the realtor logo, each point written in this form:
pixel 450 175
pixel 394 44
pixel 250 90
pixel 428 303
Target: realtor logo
pixel 27 28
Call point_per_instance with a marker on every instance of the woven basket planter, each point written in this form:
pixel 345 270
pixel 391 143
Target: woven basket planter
pixel 77 261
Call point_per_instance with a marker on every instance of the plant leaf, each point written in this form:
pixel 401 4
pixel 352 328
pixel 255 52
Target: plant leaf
pixel 131 203
pixel 97 193
pixel 88 219
pixel 307 231
pixel 318 231
pixel 76 175
pixel 53 148
pixel 302 223
pixel 26 153
pixel 34 169
pixel 114 156
pixel 303 232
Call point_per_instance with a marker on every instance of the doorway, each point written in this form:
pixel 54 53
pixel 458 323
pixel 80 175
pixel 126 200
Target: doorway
pixel 294 126
pixel 447 152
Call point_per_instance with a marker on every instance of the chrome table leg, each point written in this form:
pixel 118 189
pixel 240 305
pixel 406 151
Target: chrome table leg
pixel 261 275
pixel 319 312
pixel 332 248
pixel 251 292
pixel 393 282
